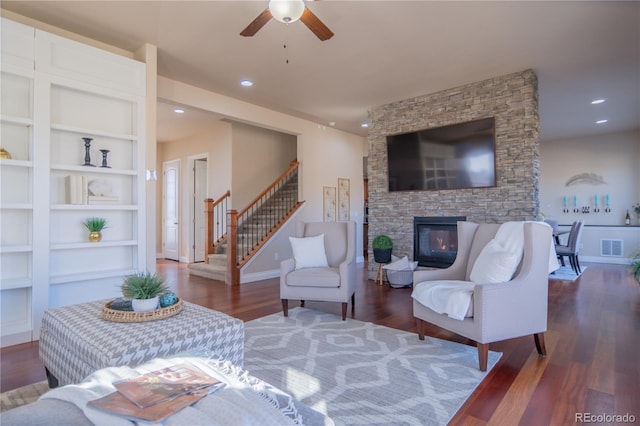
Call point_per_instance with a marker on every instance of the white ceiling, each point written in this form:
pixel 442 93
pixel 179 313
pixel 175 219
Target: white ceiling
pixel 382 51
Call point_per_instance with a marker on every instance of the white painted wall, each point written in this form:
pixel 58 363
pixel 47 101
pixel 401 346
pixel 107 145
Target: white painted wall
pixel 259 156
pixel 614 157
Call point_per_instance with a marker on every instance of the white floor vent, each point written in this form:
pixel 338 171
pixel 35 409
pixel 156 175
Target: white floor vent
pixel 611 248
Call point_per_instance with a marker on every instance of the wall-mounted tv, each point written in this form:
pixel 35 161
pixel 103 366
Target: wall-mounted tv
pixel 451 157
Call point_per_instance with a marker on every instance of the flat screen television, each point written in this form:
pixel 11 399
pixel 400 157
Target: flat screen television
pixel 450 157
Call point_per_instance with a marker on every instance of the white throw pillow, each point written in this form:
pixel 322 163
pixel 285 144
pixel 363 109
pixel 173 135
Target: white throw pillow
pixel 309 252
pixel 495 264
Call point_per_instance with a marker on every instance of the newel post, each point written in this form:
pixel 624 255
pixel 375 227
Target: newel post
pixel 233 271
pixel 208 235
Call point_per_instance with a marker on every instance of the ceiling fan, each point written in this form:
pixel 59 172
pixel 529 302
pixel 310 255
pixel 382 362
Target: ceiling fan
pixel 288 11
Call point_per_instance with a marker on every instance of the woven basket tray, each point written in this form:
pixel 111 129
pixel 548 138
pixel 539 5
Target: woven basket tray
pixel 133 316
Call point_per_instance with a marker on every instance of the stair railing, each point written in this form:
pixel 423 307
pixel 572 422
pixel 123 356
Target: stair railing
pixel 249 229
pixel 216 215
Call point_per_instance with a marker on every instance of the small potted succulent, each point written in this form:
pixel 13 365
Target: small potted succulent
pixel 382 247
pixel 95 225
pixel 144 289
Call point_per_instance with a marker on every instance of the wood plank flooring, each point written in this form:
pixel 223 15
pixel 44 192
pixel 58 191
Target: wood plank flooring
pixel 593 341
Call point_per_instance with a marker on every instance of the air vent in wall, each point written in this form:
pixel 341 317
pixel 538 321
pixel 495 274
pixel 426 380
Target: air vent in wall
pixel 610 248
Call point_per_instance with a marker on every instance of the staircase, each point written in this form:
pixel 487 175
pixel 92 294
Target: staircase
pixel 250 229
pixel 215 266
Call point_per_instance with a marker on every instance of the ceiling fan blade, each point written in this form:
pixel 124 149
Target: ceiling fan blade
pixel 316 25
pixel 256 24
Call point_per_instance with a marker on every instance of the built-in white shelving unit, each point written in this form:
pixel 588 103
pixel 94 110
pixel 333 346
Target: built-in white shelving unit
pixel 55 92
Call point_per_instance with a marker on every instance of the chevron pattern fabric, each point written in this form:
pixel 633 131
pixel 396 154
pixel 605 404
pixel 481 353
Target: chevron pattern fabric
pixel 75 340
pixel 360 373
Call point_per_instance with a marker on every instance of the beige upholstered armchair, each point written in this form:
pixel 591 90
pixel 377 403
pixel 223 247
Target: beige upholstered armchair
pixel 323 268
pixel 504 309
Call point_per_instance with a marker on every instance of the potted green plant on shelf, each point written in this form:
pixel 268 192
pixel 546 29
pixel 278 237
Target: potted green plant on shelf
pixel 382 247
pixel 144 290
pixel 95 225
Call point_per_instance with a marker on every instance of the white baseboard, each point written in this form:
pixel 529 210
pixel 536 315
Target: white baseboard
pixel 258 276
pixel 602 259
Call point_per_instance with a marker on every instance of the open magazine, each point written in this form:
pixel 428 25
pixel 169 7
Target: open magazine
pixel 158 394
pixel 167 383
pixel 116 403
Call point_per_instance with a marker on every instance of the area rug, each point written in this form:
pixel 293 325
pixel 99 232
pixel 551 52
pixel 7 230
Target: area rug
pixel 24 395
pixel 566 273
pixel 359 373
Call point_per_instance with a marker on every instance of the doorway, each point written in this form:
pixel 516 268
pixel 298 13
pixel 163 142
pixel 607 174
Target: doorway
pixel 170 210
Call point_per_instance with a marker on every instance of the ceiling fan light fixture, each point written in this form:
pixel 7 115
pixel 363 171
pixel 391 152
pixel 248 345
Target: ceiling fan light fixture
pixel 286 11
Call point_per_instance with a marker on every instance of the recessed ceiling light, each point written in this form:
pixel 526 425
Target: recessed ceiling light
pixel 246 83
pixel 601 121
pixel 597 101
pixel 332 123
pixel 178 111
pixel 364 125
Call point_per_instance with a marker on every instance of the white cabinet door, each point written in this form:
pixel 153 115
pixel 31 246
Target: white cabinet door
pixel 170 209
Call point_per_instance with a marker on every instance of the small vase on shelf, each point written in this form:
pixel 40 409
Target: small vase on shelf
pixel 104 158
pixel 95 237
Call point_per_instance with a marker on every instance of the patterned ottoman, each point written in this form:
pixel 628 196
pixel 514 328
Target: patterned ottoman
pixel 75 340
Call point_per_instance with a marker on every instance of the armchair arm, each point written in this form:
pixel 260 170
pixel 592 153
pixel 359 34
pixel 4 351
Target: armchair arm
pixel 518 307
pixel 286 266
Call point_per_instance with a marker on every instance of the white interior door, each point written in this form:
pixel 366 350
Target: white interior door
pixel 170 210
pixel 199 195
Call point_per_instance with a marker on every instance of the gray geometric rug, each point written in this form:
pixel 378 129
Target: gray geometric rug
pixel 566 273
pixel 359 373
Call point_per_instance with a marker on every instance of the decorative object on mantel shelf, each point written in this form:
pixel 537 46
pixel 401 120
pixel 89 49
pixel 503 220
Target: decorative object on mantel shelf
pixel 104 158
pixel 145 290
pixel 87 152
pixel 95 225
pixel 5 154
pixel 636 209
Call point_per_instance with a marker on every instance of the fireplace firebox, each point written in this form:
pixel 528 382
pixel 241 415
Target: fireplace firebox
pixel 435 240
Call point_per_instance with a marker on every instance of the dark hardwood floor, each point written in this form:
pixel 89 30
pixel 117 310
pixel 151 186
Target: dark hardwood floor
pixel 593 341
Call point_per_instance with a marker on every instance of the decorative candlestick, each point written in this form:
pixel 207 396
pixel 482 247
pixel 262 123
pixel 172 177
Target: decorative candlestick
pixel 104 158
pixel 607 207
pixel 575 204
pixel 565 204
pixel 87 152
pixel 596 208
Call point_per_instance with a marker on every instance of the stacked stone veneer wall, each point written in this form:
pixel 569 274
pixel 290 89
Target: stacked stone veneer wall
pixel 513 101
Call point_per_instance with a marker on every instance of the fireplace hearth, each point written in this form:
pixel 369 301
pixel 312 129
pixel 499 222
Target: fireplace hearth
pixel 435 240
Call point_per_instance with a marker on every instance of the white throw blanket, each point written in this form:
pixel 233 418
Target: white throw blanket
pixel 236 404
pixel 453 298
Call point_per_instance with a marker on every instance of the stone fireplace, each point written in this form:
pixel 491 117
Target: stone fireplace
pixel 513 101
pixel 435 240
